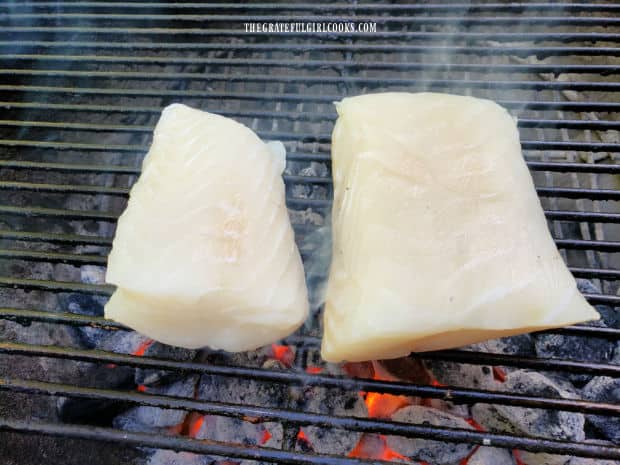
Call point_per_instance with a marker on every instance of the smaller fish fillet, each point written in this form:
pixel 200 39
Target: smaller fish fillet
pixel 204 254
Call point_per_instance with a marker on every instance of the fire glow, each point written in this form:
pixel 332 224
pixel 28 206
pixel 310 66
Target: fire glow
pixel 375 447
pixel 284 354
pixel 142 348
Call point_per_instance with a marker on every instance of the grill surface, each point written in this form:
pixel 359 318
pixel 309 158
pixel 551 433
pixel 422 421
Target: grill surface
pixel 82 84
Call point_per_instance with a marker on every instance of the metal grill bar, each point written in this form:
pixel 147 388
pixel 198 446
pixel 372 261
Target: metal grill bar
pixel 349 384
pixel 103 241
pixel 446 50
pixel 564 192
pixel 511 104
pixel 577 244
pixel 410 66
pixel 73 319
pixel 549 21
pixel 382 7
pixel 353 424
pixel 404 35
pixel 120 169
pixel 519 104
pixel 559 215
pixel 264 453
pixel 526 144
pixel 601 125
pixel 56 286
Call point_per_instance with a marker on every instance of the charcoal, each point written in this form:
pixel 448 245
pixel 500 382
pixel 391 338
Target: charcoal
pixel 586 349
pixel 423 449
pixel 610 318
pixel 522 344
pixel 533 422
pixel 169 457
pixel 531 458
pixel 333 401
pixel 235 430
pixel 153 419
pixel 329 440
pixel 315 169
pixel 604 389
pixel 462 375
pixel 151 377
pixel 307 216
pixel 491 456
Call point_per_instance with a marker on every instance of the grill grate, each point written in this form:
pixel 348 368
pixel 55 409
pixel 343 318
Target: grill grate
pixel 82 84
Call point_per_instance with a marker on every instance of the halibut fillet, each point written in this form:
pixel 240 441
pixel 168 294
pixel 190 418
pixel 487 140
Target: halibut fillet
pixel 204 254
pixel 439 238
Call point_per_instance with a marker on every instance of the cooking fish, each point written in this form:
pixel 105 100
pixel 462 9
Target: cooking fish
pixel 204 254
pixel 439 238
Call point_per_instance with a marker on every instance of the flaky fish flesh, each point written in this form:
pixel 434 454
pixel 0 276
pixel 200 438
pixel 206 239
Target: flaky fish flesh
pixel 439 236
pixel 204 254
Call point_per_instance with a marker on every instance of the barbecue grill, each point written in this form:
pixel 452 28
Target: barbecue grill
pixel 82 85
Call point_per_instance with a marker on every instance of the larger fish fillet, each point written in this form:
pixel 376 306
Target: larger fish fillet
pixel 204 254
pixel 439 236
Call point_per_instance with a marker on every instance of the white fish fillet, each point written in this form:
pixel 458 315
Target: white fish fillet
pixel 204 254
pixel 439 237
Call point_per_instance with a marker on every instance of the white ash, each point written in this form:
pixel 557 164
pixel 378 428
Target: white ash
pixel 424 449
pixel 463 375
pixel 604 389
pixel 92 274
pixel 169 457
pixel 242 391
pixel 491 456
pixel 533 422
pixel 329 440
pixel 237 431
pixel 315 169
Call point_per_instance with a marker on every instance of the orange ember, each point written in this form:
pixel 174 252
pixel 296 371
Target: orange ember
pixel 301 436
pixel 475 424
pixel 111 365
pixel 266 437
pixel 284 354
pixel 384 405
pixel 143 347
pixel 195 425
pixel 499 374
pixel 374 447
pixel 314 370
pixel 141 388
pixel 517 456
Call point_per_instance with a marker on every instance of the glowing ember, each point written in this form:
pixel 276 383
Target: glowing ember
pixel 384 405
pixel 141 349
pixel 284 354
pixel 359 369
pixel 499 374
pixel 475 424
pixel 314 370
pixel 374 447
pixel 111 365
pixel 303 440
pixel 266 437
pixel 517 456
pixel 141 388
pixel 195 425
pixel 436 383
